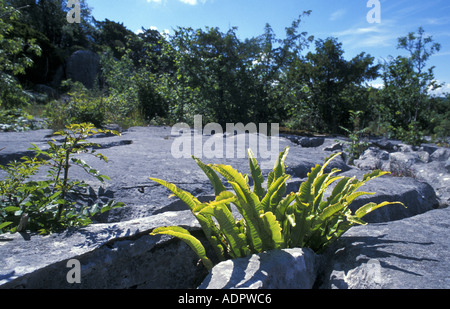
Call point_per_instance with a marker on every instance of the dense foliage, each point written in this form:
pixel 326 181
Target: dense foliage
pixel 154 78
pixel 269 219
pixel 45 206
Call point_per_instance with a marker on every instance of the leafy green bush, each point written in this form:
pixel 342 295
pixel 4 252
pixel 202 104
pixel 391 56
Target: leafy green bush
pixel 81 106
pixel 357 144
pixel 15 58
pixel 271 220
pixel 412 136
pixel 44 206
pixel 15 120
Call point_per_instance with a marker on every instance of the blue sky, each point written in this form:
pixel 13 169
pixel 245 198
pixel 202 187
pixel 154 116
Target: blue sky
pixel 343 19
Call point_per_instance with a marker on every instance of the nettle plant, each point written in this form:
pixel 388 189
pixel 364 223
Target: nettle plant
pixel 45 206
pixel 270 219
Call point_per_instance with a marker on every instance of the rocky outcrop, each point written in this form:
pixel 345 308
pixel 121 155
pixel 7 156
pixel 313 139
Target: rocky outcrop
pixel 427 164
pixel 281 269
pixel 120 255
pixel 117 251
pixel 409 254
pixel 83 66
pixel 418 197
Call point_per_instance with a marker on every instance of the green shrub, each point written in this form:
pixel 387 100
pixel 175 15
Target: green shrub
pixel 270 219
pixel 412 136
pixel 44 206
pixel 15 120
pixel 357 144
pixel 81 106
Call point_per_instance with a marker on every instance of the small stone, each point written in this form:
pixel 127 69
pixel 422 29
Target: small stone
pixel 278 269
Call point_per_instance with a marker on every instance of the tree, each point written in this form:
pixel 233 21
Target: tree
pixel 405 98
pixel 113 35
pixel 45 22
pixel 275 68
pixel 12 61
pixel 420 48
pixel 330 82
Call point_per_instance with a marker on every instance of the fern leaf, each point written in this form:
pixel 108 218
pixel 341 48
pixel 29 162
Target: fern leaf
pixel 273 231
pixel 355 195
pixel 250 213
pixel 237 242
pixel 257 176
pixel 374 174
pixel 186 197
pixel 275 191
pixel 190 240
pixel 331 210
pixel 368 208
pixel 280 210
pixel 278 168
pixel 230 174
pixel 212 176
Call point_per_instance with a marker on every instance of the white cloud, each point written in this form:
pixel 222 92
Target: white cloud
pixel 165 32
pixel 376 84
pixel 337 14
pixel 192 2
pixel 441 91
pixel 381 35
pixel 438 21
pixel 359 31
pixel 447 53
pixel 189 2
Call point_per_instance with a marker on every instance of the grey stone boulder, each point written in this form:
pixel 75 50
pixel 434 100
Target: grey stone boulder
pixel 310 142
pixel 419 197
pixel 16 144
pixel 412 253
pixel 372 159
pixel 118 256
pixel 441 154
pixel 83 66
pixel 143 152
pixel 300 161
pixel 385 144
pixel 334 147
pixel 50 92
pixel 427 164
pixel 306 142
pixel 278 269
pixel 402 162
pixel 435 174
pixel 430 148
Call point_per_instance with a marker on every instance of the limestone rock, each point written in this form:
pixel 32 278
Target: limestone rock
pixel 120 255
pixel 419 197
pixel 372 159
pixel 83 66
pixel 16 144
pixel 442 154
pixel 427 164
pixel 409 254
pixel 334 147
pixel 279 269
